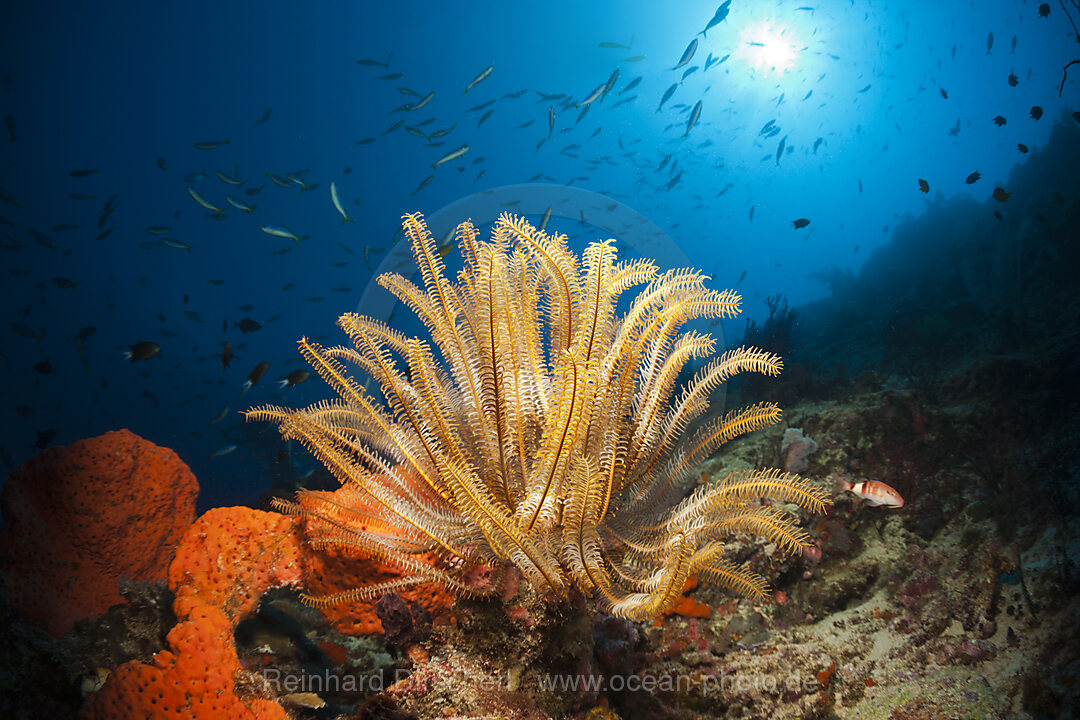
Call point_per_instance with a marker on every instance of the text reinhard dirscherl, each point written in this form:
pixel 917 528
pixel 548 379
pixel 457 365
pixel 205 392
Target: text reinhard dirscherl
pixel 703 684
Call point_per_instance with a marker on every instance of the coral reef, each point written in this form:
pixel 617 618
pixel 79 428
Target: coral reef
pixel 195 678
pixel 225 562
pixel 230 556
pixel 549 436
pixel 336 570
pixel 77 519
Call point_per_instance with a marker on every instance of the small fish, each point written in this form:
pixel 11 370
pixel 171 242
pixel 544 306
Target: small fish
pixel 593 95
pixel 164 166
pixel 1000 120
pixel 283 232
pixel 255 376
pixel 264 118
pixel 874 493
pixel 174 244
pixel 944 93
pixel 1044 10
pixel 239 204
pixel 211 144
pixel 924 186
pixel 294 378
pixel 83 173
pixel 634 58
pixel 1013 80
pixel 546 219
pixel 631 85
pixel 195 176
pixel 989 42
pixel 44 439
pixel 800 223
pixel 226 355
pixel 551 121
pixel 610 84
pixel 158 229
pixel 205 203
pixel 1000 195
pixel 423 184
pixel 220 416
pixel 26 332
pixel 694 115
pixel 667 95
pixel 247 325
pixel 364 141
pixel 424 101
pixel 64 283
pixel 1022 148
pixel 973 178
pixel 688 54
pixel 717 18
pixel 450 156
pixel 223 450
pixel 616 46
pixel 44 367
pixel 780 149
pixel 337 204
pixel 230 180
pixel 142 351
pixel 376 63
pixel 479 78
pixel 1036 112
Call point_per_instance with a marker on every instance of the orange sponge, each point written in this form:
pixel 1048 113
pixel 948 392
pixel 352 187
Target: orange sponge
pixel 78 518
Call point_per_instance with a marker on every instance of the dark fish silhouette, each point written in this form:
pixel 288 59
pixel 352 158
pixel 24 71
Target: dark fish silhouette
pixel 924 186
pixel 973 177
pixel 1036 112
pixel 718 17
pixel 800 223
pixel 1000 120
pixel 142 351
pixel 247 325
pixel 1000 195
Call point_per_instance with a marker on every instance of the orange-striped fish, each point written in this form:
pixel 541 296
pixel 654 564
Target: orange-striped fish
pixel 875 492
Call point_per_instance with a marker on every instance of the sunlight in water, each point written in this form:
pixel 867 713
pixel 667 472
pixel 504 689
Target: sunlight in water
pixel 768 48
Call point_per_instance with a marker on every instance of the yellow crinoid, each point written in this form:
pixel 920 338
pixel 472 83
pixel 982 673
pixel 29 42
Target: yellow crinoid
pixel 540 427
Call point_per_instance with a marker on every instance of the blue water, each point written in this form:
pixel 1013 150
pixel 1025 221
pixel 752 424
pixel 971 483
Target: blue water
pixel 116 87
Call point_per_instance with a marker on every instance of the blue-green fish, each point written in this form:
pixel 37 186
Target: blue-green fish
pixel 687 55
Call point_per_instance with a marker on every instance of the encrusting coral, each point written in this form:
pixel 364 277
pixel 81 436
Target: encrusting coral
pixel 79 518
pixel 549 435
